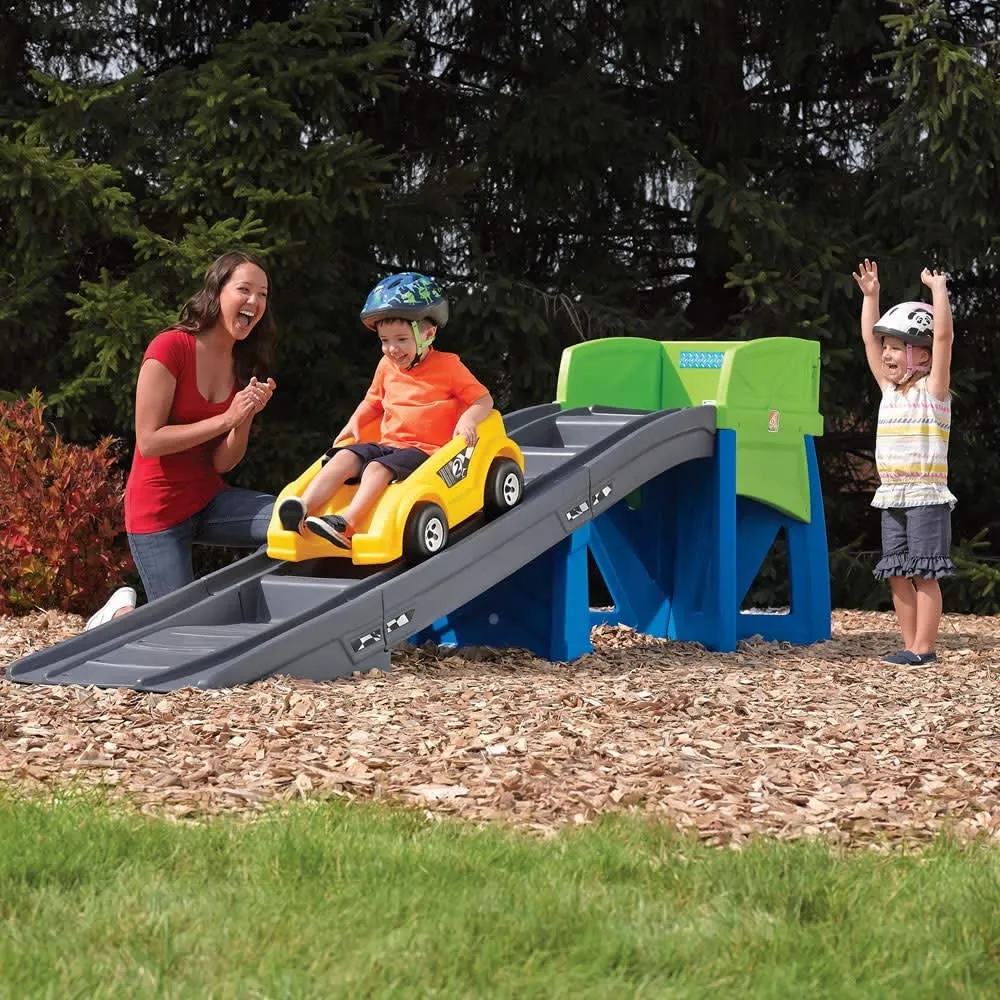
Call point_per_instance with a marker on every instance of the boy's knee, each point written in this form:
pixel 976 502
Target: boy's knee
pixel 344 463
pixel 376 472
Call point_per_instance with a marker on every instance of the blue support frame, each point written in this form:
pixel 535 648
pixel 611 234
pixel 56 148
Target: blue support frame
pixel 670 562
pixel 677 563
pixel 544 607
pixel 680 565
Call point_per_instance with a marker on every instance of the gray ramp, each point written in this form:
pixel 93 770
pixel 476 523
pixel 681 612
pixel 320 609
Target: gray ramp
pixel 225 594
pixel 138 663
pixel 260 617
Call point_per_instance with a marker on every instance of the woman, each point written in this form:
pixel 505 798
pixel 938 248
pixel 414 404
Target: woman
pixel 200 385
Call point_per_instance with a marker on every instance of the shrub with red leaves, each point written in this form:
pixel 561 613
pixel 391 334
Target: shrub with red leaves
pixel 62 541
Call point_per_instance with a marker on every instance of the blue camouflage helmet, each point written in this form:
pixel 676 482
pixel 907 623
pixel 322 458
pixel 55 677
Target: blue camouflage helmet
pixel 408 296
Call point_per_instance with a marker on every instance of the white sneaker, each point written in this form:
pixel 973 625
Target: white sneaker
pixel 123 597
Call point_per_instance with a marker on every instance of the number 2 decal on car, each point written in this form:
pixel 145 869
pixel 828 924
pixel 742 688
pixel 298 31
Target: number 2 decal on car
pixel 458 468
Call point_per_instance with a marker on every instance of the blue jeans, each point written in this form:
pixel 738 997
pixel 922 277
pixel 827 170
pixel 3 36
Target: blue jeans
pixel 235 518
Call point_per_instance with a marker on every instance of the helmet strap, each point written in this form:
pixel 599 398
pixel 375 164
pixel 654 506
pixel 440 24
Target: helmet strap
pixel 422 340
pixel 912 368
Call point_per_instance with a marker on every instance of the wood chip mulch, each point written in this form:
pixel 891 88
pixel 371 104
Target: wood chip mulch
pixel 773 739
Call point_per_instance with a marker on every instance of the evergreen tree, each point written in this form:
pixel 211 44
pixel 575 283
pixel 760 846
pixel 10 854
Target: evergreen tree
pixel 939 184
pixel 573 169
pixel 247 141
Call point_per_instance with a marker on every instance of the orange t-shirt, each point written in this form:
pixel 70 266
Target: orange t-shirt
pixel 421 406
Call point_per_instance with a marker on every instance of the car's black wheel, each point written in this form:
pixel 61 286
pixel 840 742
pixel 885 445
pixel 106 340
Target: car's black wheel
pixel 504 486
pixel 426 532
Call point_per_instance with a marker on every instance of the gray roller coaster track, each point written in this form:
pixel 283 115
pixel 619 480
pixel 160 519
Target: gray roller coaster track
pixel 327 618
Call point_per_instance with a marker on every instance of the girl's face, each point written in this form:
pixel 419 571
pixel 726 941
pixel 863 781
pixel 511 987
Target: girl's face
pixel 242 300
pixel 398 342
pixel 894 358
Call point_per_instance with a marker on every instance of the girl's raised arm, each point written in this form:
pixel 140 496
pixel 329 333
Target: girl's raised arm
pixel 867 278
pixel 939 380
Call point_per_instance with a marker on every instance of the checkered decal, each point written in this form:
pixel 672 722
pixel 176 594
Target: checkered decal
pixel 403 618
pixel 362 642
pixel 593 503
pixel 458 468
pixel 601 495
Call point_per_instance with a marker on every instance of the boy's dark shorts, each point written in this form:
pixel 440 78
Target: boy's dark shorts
pixel 916 541
pixel 401 462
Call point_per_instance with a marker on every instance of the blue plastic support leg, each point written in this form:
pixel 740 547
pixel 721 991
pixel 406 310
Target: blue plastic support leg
pixel 724 548
pixel 808 617
pixel 757 528
pixel 810 561
pixel 543 607
pixel 704 606
pixel 670 566
pixel 633 549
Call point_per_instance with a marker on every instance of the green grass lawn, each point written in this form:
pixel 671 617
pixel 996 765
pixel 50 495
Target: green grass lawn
pixel 357 901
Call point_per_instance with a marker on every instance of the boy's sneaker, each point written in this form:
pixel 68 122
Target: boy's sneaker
pixel 123 597
pixel 291 513
pixel 906 658
pixel 332 527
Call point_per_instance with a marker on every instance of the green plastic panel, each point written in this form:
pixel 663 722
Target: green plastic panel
pixel 620 371
pixel 767 391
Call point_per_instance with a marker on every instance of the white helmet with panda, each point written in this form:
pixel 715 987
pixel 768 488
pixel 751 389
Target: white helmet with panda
pixel 911 322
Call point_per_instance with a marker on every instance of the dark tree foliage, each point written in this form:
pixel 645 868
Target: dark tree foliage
pixel 574 169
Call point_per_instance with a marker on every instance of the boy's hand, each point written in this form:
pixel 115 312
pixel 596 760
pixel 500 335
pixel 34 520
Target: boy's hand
pixel 467 428
pixel 936 281
pixel 350 429
pixel 867 277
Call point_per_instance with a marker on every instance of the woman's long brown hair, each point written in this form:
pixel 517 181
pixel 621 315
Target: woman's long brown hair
pixel 251 356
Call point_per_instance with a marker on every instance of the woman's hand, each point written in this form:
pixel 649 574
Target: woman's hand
pixel 249 401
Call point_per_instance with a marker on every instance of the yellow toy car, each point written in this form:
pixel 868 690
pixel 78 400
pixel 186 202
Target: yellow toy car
pixel 412 519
